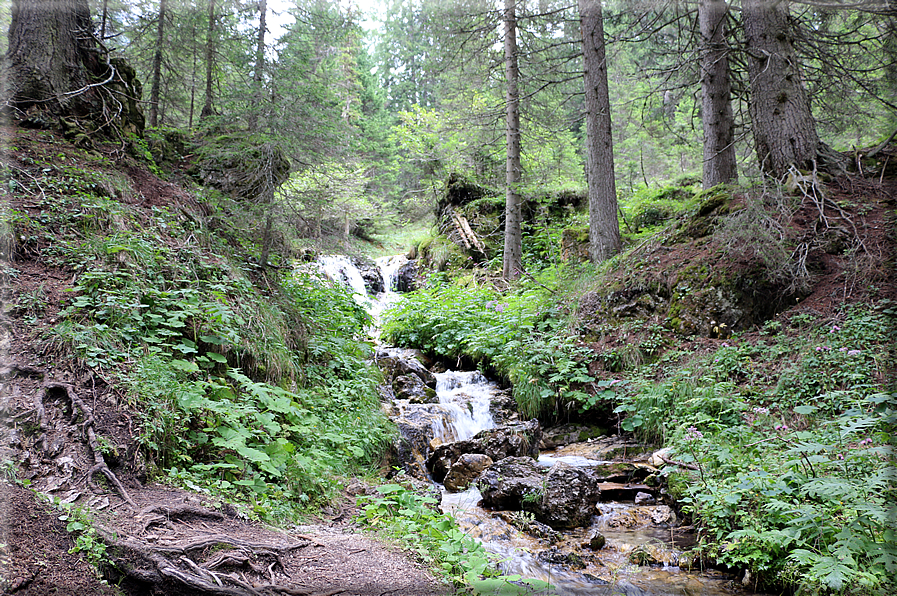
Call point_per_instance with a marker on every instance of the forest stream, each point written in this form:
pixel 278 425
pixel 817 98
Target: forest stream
pixel 632 544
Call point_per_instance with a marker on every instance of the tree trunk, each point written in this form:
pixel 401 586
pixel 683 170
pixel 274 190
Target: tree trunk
pixel 720 166
pixel 48 47
pixel 512 262
pixel 604 228
pixel 56 69
pixel 259 67
pixel 210 55
pixel 157 67
pixel 784 129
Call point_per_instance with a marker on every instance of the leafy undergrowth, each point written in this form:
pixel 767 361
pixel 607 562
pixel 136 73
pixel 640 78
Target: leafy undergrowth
pixel 248 384
pixel 791 430
pixel 522 336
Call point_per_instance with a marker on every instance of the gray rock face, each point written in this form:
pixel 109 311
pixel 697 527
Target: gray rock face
pixel 405 279
pixel 415 425
pixel 514 440
pixel 410 387
pixel 568 499
pixel 464 471
pixel 394 363
pixel 506 484
pixel 370 273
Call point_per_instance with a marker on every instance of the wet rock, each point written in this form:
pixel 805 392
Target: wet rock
pixel 503 407
pixel 396 363
pixel 568 498
pixel 370 273
pixel 556 557
pixel 644 499
pixel 636 517
pixel 514 440
pixel 507 483
pixel 565 434
pixel 415 424
pixel 405 279
pixel 410 387
pixel 527 523
pixel 464 471
pixel 654 553
pixel 597 541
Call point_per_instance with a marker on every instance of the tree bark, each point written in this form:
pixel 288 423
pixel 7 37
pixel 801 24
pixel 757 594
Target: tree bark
pixel 604 228
pixel 512 262
pixel 259 66
pixel 57 69
pixel 48 45
pixel 720 166
pixel 210 55
pixel 784 129
pixel 157 67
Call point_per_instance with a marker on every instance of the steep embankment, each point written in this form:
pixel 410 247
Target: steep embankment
pixel 142 343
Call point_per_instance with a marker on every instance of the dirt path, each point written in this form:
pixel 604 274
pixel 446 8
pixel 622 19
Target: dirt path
pixel 162 540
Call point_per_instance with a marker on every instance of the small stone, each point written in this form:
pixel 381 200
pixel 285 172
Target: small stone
pixel 597 541
pixel 644 499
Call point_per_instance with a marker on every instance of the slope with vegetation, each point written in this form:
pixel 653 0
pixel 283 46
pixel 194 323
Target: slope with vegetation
pixel 748 331
pixel 146 349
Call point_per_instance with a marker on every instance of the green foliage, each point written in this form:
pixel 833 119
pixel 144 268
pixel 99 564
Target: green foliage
pixel 792 436
pixel 522 336
pixel 87 541
pixel 435 537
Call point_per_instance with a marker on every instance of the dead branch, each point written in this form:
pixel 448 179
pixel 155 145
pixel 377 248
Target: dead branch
pixel 681 464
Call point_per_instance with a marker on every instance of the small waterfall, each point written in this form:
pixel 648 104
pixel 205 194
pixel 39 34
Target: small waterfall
pixel 340 268
pixel 466 397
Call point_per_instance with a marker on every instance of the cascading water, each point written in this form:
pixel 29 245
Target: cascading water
pixel 466 397
pixel 340 268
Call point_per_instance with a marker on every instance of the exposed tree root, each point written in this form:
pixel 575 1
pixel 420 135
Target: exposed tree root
pixel 78 407
pixel 209 564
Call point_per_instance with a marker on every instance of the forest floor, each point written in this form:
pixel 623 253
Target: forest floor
pixel 54 408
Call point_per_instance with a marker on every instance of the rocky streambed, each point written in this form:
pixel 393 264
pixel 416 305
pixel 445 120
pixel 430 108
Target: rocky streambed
pixel 590 514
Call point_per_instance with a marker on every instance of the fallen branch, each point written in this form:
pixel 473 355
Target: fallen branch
pixel 681 464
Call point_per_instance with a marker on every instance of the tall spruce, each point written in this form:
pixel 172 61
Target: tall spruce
pixel 718 120
pixel 604 228
pixel 156 82
pixel 512 262
pixel 783 125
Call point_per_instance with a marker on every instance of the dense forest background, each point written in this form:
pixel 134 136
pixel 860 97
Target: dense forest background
pixel 374 108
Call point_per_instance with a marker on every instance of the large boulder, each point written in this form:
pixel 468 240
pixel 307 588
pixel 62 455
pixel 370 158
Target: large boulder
pixel 415 424
pixel 394 362
pixel 506 484
pixel 464 471
pixel 568 500
pixel 370 273
pixel 513 440
pixel 405 279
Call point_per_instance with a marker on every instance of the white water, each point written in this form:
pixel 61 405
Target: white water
pixel 466 397
pixel 339 268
